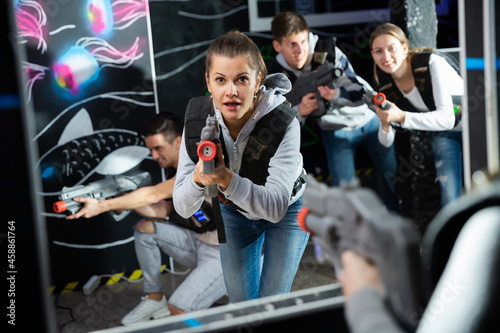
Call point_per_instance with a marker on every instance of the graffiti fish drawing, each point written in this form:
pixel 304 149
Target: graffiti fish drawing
pixel 81 152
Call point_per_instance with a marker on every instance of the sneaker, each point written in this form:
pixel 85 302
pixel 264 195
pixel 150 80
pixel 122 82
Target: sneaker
pixel 146 310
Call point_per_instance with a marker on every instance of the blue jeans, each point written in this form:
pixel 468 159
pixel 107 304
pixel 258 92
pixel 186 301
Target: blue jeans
pixel 247 273
pixel 340 146
pixel 202 287
pixel 447 149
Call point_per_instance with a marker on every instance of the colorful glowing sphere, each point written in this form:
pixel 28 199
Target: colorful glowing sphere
pixel 76 68
pixel 100 14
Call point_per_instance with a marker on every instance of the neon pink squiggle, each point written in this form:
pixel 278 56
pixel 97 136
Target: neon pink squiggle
pixel 108 54
pixel 30 24
pixel 126 12
pixel 32 73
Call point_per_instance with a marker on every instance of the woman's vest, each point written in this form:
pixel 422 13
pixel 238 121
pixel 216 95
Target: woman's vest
pixel 262 144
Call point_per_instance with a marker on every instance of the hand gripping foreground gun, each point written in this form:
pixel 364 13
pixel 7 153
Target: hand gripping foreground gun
pixel 109 187
pixel 207 150
pixel 372 98
pixel 325 74
pixel 355 219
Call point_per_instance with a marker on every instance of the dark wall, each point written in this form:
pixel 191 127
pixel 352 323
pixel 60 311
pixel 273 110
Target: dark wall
pixel 183 30
pixel 89 80
pixel 22 236
pixel 181 33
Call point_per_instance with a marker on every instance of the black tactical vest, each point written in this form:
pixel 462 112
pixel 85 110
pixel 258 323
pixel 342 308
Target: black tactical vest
pixel 262 143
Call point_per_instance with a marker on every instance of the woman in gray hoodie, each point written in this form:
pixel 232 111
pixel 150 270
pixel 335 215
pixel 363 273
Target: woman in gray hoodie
pixel 258 170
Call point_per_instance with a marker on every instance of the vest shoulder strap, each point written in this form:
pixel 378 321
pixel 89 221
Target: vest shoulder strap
pixel 422 75
pixel 195 118
pixel 324 51
pixel 423 82
pixel 262 144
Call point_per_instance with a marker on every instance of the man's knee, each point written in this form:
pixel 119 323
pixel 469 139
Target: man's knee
pixel 145 226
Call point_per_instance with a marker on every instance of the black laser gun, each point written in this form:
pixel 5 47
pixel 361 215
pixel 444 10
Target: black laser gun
pixel 109 187
pixel 325 75
pixel 207 150
pixel 372 98
pixel 341 218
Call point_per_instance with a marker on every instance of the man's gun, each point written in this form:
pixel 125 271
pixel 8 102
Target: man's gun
pixel 109 187
pixel 325 75
pixel 207 150
pixel 372 98
pixel 356 219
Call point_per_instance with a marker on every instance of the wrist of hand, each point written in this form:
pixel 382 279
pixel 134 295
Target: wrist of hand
pixel 300 110
pixel 386 128
pixel 227 180
pixel 403 117
pixel 104 206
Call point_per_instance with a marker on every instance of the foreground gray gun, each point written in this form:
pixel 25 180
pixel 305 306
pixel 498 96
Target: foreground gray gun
pixel 109 187
pixel 356 219
pixel 324 75
pixel 207 150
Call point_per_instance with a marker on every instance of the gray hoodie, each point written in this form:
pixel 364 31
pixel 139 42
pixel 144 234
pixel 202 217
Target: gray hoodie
pixel 269 201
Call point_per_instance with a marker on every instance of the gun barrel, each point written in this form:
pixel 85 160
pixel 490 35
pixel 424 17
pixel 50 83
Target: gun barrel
pixel 69 206
pixel 318 225
pixel 380 100
pixel 207 151
pixel 327 77
pixel 60 206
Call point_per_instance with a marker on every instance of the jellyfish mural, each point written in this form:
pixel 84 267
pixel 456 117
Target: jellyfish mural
pixel 126 12
pixel 100 15
pixel 32 73
pixel 81 64
pixel 31 20
pixel 105 17
pixel 76 68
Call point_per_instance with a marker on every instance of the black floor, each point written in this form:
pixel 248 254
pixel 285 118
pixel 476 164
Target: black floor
pixel 108 304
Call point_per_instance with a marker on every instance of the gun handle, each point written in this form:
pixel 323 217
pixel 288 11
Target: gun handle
pixel 120 216
pixel 212 190
pixel 321 110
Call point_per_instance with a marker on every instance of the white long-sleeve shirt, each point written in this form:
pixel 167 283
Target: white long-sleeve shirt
pixel 445 83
